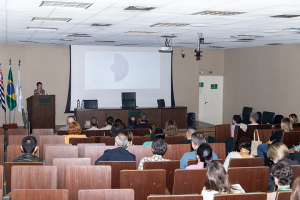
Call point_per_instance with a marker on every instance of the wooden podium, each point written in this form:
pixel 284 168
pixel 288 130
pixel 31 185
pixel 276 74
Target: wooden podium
pixel 41 111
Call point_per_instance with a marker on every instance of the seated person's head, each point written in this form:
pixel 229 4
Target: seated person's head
pixel 129 135
pixel 278 152
pixel 123 125
pixel 296 189
pixel 286 125
pixel 118 121
pixel 132 121
pixel 204 154
pixel 189 131
pixel 29 145
pixel 282 174
pixel 151 127
pixel 157 133
pixel 121 140
pixel 216 178
pixel 198 138
pixel 293 118
pixel 144 118
pixel 74 128
pixel 245 144
pixel 116 129
pixel 236 119
pixel 254 117
pixel 70 119
pixel 94 122
pixel 87 124
pixel 109 121
pixel 159 147
pixel 171 128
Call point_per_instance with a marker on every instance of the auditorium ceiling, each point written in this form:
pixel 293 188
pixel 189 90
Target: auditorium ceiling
pixel 145 23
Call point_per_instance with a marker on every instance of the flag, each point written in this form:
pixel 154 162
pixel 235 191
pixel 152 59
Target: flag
pixel 10 94
pixel 19 93
pixel 2 99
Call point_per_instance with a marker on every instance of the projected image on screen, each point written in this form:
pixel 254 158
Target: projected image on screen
pixel 122 70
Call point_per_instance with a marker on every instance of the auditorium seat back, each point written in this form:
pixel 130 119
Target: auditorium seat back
pixel 104 194
pixel 81 148
pixel 52 152
pixel 39 194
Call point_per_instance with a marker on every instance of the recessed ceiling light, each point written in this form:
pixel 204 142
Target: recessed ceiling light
pixel 291 29
pixel 61 4
pixel 246 36
pixel 79 35
pixel 168 36
pixel 216 47
pixel 275 44
pixel 285 16
pixel 169 25
pixel 139 8
pixel 42 28
pixel 187 43
pixel 222 13
pixel 28 42
pixel 96 24
pixel 139 32
pixel 244 40
pixel 106 41
pixel 128 44
pixel 49 19
pixel 67 40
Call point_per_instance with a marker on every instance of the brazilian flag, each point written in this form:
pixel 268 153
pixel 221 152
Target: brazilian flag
pixel 10 95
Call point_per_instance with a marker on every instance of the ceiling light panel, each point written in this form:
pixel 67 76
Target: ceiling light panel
pixel 141 8
pixel 61 4
pixel 222 13
pixel 42 28
pixel 49 19
pixel 140 32
pixel 169 25
pixel 285 16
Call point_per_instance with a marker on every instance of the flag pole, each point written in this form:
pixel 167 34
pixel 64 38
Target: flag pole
pixel 9 110
pixel 4 100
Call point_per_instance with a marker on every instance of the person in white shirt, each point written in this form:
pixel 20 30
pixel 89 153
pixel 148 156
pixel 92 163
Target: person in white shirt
pixel 94 124
pixel 244 146
pixel 108 123
pixel 217 182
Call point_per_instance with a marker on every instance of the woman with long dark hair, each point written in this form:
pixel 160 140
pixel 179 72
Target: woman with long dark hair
pixel 204 157
pixel 217 182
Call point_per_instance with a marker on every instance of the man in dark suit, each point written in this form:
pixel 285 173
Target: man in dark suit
pixel 190 130
pixel 119 153
pixel 143 124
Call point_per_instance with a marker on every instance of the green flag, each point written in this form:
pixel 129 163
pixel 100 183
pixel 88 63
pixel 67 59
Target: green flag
pixel 10 95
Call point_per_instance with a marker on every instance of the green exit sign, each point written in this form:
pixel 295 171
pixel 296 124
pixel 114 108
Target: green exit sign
pixel 201 84
pixel 214 86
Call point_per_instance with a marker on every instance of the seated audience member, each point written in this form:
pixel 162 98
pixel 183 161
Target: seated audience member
pixel 236 120
pixel 151 127
pixel 244 146
pixel 293 118
pixel 279 152
pixel 94 124
pixel 116 129
pixel 198 138
pixel 253 119
pixel 74 131
pixel 119 153
pixel 108 124
pixel 159 148
pixel 144 121
pixel 29 148
pixel 132 123
pixel 87 125
pixel 156 133
pixel 118 121
pixel 171 128
pixel 217 182
pixel 123 125
pixel 283 175
pixel 296 189
pixel 129 135
pixel 189 132
pixel 204 157
pixel 286 126
pixel 70 119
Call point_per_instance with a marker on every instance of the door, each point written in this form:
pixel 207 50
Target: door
pixel 211 99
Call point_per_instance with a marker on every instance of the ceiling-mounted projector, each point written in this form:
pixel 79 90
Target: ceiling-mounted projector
pixel 168 47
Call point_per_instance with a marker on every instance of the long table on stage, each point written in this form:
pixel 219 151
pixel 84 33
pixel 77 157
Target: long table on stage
pixel 159 116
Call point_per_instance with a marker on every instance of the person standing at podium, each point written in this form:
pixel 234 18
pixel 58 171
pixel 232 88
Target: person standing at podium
pixel 39 90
